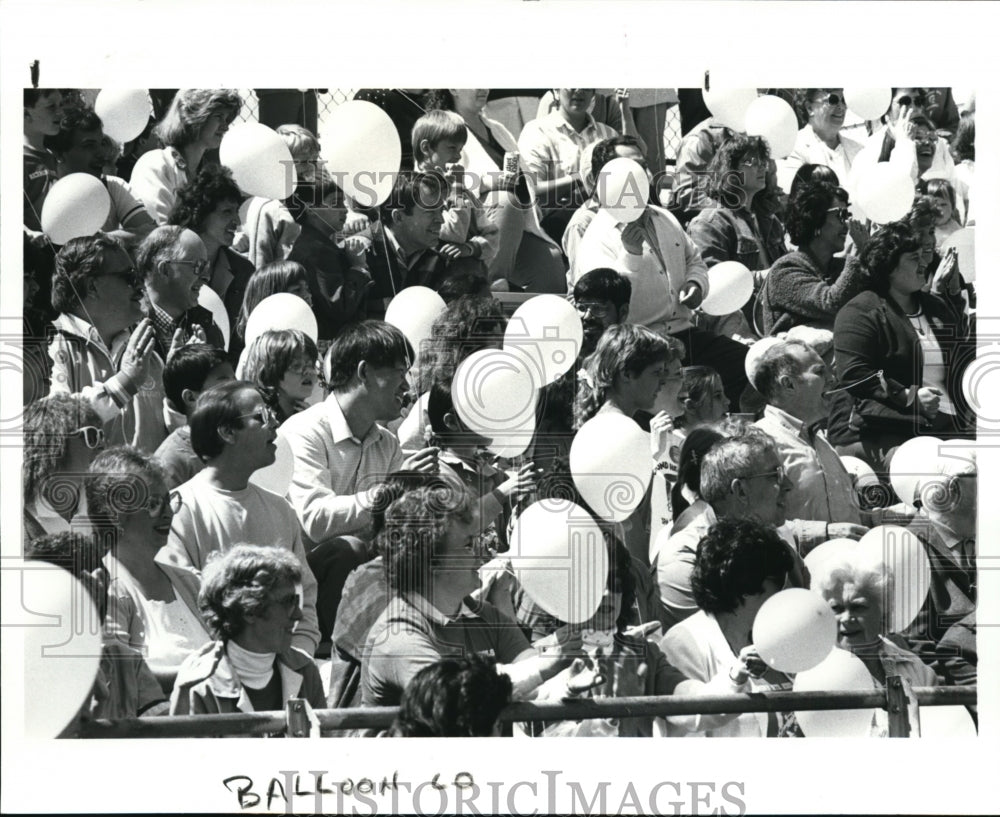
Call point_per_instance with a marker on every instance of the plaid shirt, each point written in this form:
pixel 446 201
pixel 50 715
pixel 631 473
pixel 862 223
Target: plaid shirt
pixel 163 324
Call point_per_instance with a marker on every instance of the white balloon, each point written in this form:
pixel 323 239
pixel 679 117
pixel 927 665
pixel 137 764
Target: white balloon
pixel 964 241
pixel 833 548
pixel 559 556
pixel 794 630
pixel 611 465
pixel 773 119
pixel 901 553
pixel 839 671
pixel 754 355
pixel 911 462
pixel 730 286
pixel 868 103
pixel 277 476
pixel 729 105
pixel 413 311
pixel 62 644
pixel 76 206
pixel 885 193
pixel 946 722
pixel 548 329
pixel 495 393
pixel 124 112
pixel 259 160
pixel 622 188
pixel 210 300
pixel 281 311
pixel 361 147
pixel 869 489
pixel 857 468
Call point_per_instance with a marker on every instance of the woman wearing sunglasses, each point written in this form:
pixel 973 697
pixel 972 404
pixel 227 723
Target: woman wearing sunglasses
pixel 808 286
pixel 152 607
pixel 820 141
pixel 62 434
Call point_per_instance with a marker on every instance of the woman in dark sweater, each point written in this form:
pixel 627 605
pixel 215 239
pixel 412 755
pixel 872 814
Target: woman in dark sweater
pixel 809 285
pixel 901 351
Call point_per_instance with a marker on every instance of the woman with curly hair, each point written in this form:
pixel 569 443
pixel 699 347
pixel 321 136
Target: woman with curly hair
pixel 284 366
pixel 809 285
pixel 250 601
pixel 209 206
pixel 278 276
pixel 62 434
pixel 194 125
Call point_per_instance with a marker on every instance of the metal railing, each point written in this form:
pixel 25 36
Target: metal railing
pixel 294 721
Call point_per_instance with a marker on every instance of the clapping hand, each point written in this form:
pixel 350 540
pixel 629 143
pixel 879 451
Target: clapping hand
pixel 947 279
pixel 135 359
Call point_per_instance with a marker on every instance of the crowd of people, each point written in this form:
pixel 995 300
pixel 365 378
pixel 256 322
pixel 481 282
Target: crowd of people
pixel 382 575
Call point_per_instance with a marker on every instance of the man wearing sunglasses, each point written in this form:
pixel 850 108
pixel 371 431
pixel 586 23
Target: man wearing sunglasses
pixel 95 352
pixel 234 434
pixel 821 141
pixel 173 263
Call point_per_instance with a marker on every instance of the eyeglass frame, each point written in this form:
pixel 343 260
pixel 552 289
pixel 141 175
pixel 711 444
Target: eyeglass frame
pixel 778 472
pixel 99 432
pixel 154 504
pixel 268 416
pixel 833 100
pixel 843 213
pixel 130 275
pixel 909 99
pixel 204 266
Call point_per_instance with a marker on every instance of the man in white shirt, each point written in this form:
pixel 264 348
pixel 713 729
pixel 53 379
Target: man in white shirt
pixel 342 453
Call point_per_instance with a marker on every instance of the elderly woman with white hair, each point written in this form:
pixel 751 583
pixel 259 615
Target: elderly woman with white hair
pixel 859 590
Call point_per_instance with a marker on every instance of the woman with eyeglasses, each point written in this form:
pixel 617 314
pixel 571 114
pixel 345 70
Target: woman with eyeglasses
pixel 250 600
pixel 193 126
pixel 820 141
pixel 62 434
pixel 152 606
pixel 284 366
pixel 809 285
pixel 209 205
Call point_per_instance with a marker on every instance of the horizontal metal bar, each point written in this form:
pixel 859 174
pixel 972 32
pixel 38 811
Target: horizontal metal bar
pixel 261 723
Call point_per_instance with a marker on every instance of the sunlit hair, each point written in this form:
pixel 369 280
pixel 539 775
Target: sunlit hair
pixel 77 261
pixel 468 324
pixel 278 276
pixel 699 382
pixel 963 143
pixel 48 425
pixel 851 567
pixel 436 127
pixel 935 188
pixel 778 361
pixel 197 200
pixel 622 348
pixel 272 354
pixel 302 142
pixel 216 408
pixel 238 583
pixel 377 343
pixel 730 459
pixel 726 171
pixel 190 109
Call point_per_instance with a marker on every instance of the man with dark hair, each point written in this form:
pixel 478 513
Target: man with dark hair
pixel 97 294
pixel 78 148
pixel 173 265
pixel 342 452
pixel 233 432
pixel 188 372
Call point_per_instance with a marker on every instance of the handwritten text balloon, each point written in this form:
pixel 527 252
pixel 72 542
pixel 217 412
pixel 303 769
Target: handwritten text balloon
pixel 77 205
pixel 729 105
pixel 773 119
pixel 560 558
pixel 281 311
pixel 794 630
pixel 730 285
pixel 124 112
pixel 611 465
pixel 362 150
pixel 549 331
pixel 623 189
pixel 839 671
pixel 259 160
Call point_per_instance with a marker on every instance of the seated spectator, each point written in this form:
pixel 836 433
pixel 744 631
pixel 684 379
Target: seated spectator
pixel 279 276
pixel 820 141
pixel 468 232
pixel 553 156
pixel 284 366
pixel 453 699
pixel 431 567
pixel 702 396
pixel 859 592
pixel 152 607
pixel 209 206
pixel 949 218
pixel 339 281
pixel 233 432
pixel 526 255
pixel 124 687
pixel 250 600
pixel 188 372
pixel 689 192
pixel 62 435
pixel 740 564
pixel 195 124
pixel 173 265
pixel 94 350
pixel 79 148
pixel 685 494
pixel 809 285
pixel 812 173
pixel 889 345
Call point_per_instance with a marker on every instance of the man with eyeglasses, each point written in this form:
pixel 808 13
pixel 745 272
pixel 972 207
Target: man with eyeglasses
pixel 96 351
pixel 234 433
pixel 173 263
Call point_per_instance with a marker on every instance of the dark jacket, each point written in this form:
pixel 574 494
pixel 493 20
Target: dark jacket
pixel 242 270
pixel 872 335
pixel 723 234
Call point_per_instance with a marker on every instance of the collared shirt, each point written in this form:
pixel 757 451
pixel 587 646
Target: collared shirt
pixel 822 488
pixel 163 324
pixel 334 471
pixel 551 147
